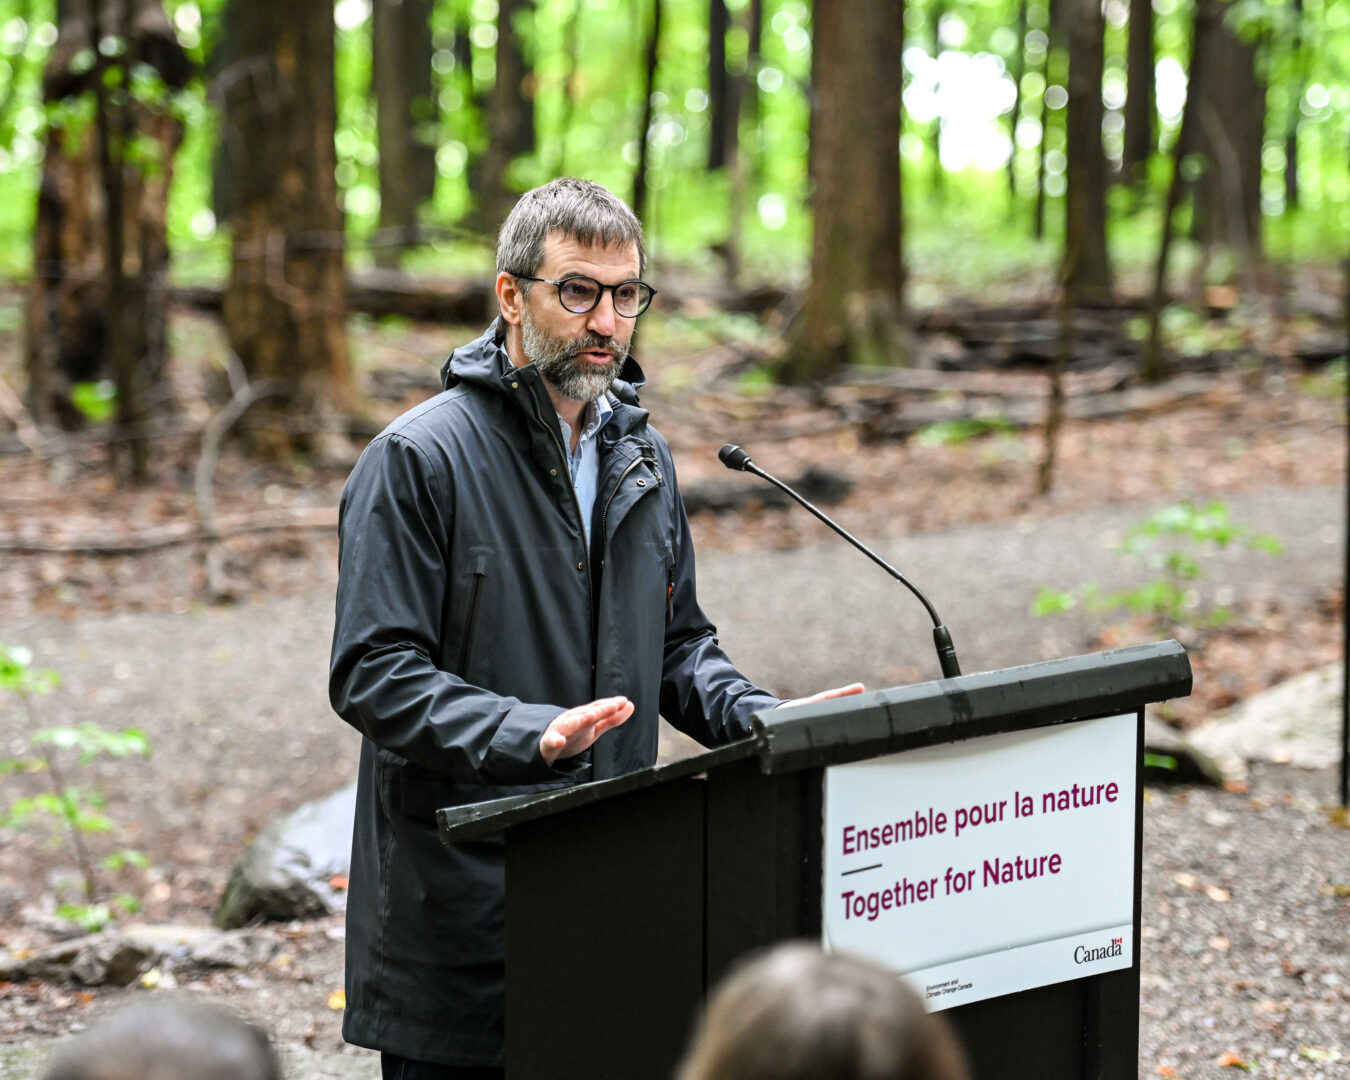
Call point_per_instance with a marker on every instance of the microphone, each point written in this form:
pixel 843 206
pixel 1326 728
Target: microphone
pixel 733 457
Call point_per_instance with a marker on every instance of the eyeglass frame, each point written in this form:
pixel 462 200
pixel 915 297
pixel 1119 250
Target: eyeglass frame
pixel 651 293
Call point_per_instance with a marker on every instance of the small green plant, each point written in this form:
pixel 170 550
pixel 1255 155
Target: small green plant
pixel 956 432
pixel 1173 542
pixel 79 810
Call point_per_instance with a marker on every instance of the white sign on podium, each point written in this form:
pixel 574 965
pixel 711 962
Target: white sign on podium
pixel 981 868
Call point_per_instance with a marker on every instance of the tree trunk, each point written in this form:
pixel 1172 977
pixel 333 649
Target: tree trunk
pixel 1048 71
pixel 852 311
pixel 1087 269
pixel 406 120
pixel 284 305
pixel 651 59
pixel 1152 366
pixel 1230 133
pixel 721 109
pixel 744 92
pixel 1295 97
pixel 937 177
pixel 97 306
pixel 1017 71
pixel 510 115
pixel 1140 101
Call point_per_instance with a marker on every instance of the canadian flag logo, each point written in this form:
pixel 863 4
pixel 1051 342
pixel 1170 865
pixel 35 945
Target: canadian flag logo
pixel 1116 940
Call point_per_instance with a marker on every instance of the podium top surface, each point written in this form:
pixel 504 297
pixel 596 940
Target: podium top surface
pixel 885 722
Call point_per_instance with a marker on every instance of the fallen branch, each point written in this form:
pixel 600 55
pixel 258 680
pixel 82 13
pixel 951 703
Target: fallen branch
pixel 311 518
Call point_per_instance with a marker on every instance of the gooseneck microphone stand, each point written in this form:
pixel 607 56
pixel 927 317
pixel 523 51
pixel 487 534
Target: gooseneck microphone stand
pixel 733 457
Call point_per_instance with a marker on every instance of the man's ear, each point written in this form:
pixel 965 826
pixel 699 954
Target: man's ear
pixel 510 300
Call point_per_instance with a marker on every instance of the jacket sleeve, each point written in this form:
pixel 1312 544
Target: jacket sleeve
pixel 702 693
pixel 393 538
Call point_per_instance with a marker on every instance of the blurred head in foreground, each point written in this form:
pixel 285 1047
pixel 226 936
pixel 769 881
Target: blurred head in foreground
pixel 167 1040
pixel 797 1013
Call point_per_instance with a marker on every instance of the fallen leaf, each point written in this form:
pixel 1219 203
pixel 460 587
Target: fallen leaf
pixel 1231 1061
pixel 1219 943
pixel 337 1000
pixel 1166 1070
pixel 1244 984
pixel 1235 787
pixel 150 979
pixel 1336 890
pixel 1316 1053
pixel 1340 817
pixel 1218 895
pixel 338 881
pixel 85 998
pixel 1186 881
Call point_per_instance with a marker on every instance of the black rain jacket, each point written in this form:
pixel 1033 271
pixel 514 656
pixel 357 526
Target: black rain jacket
pixel 470 612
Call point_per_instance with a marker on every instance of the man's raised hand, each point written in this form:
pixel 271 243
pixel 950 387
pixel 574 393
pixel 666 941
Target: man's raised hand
pixel 576 729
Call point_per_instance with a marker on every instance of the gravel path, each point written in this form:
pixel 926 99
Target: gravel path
pixel 1247 925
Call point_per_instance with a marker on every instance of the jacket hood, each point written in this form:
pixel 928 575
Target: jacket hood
pixel 484 362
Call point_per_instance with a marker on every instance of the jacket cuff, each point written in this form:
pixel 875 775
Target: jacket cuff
pixel 513 756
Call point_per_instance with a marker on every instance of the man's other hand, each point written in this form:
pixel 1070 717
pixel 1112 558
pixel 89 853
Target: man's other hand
pixel 825 695
pixel 573 731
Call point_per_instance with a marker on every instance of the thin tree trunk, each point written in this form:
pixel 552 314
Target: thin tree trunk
pixel 1140 101
pixel 745 94
pixel 510 115
pixel 405 120
pixel 1087 267
pixel 853 306
pixel 1152 367
pixel 1017 72
pixel 570 46
pixel 284 306
pixel 936 175
pixel 648 91
pixel 1291 198
pixel 1047 114
pixel 721 110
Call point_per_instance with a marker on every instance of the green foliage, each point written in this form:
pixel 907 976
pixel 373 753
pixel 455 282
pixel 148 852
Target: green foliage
pixel 1327 383
pixel 956 432
pixel 97 400
pixel 1173 542
pixel 75 809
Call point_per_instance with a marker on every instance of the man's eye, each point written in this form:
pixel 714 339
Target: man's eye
pixel 577 290
pixel 626 294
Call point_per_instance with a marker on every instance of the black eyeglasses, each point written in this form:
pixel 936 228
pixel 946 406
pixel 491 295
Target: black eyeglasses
pixel 580 295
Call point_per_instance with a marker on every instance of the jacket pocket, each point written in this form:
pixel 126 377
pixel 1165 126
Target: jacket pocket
pixel 478 559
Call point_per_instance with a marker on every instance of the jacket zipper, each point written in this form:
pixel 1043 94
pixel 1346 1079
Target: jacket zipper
pixel 604 514
pixel 471 622
pixel 576 503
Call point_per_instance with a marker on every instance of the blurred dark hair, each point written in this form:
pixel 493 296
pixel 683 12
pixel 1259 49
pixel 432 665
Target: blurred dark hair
pixel 797 1013
pixel 167 1040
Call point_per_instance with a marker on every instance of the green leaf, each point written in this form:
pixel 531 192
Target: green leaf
pixel 1160 761
pixel 97 400
pixel 955 432
pixel 1052 602
pixel 89 917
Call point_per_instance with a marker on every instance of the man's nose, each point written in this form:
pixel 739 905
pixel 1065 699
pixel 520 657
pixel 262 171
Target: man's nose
pixel 603 318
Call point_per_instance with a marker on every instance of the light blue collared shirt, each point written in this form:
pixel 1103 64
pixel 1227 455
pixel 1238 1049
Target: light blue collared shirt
pixel 584 462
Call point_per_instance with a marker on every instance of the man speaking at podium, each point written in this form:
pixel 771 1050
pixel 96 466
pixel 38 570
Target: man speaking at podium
pixel 515 607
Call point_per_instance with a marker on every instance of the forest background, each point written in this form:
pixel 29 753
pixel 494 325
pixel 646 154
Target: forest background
pixel 968 263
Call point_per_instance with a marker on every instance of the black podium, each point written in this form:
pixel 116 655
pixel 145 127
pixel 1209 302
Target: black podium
pixel 628 899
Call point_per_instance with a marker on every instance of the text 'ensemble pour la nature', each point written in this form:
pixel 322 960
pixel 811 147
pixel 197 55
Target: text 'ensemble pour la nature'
pixel 1002 869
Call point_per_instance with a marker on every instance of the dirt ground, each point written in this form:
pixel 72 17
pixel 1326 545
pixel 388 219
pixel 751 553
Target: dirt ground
pixel 1272 427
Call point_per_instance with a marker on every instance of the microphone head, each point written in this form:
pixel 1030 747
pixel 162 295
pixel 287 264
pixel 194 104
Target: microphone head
pixel 733 457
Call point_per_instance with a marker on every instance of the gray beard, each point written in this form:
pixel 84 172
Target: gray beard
pixel 555 358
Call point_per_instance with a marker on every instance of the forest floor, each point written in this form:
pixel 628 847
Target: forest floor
pixel 1263 422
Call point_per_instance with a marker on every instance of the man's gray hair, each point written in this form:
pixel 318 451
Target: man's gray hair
pixel 579 209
